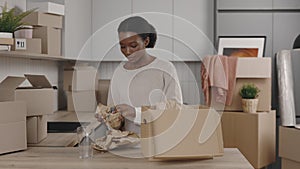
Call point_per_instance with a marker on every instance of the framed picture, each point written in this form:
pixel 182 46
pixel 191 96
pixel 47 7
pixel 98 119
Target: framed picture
pixel 242 46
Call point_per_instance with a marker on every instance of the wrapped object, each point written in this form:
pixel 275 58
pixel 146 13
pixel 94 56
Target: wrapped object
pixel 115 139
pixel 286 88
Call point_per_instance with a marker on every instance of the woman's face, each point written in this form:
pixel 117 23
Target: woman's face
pixel 132 46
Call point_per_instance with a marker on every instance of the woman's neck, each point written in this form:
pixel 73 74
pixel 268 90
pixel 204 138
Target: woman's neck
pixel 145 60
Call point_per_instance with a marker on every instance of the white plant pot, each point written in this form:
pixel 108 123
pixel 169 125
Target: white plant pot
pixel 249 105
pixel 5 35
pixel 24 33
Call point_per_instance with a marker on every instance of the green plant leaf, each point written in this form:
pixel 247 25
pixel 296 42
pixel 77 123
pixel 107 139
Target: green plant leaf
pixel 10 21
pixel 249 91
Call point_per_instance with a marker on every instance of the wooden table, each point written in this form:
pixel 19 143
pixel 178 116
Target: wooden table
pixel 67 158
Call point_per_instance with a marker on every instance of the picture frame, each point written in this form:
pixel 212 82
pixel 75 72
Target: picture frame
pixel 242 46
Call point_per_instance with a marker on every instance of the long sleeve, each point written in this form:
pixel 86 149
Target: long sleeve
pixel 172 86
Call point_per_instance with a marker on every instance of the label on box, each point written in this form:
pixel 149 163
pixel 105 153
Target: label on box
pixel 20 44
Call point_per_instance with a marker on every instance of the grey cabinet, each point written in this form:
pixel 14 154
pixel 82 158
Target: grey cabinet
pixel 77 29
pixel 246 24
pixel 244 4
pixel 286 29
pixel 196 16
pixel 159 14
pixel 286 4
pixel 193 33
pixel 106 16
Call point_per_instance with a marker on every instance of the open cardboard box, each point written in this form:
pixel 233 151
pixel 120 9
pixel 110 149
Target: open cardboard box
pixel 41 98
pixel 189 133
pixel 13 117
pixel 289 149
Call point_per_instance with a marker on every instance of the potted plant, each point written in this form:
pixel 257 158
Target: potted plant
pixel 11 21
pixel 249 93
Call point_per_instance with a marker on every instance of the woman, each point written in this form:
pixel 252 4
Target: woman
pixel 143 79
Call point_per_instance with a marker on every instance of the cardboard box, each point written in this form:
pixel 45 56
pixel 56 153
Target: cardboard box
pixel 36 129
pixel 8 86
pixel 6 41
pixel 289 164
pixel 47 7
pixel 12 127
pixel 41 98
pixel 264 98
pixel 192 137
pixel 30 45
pixel 103 91
pixel 289 148
pixel 81 78
pixel 81 101
pixel 260 76
pixel 44 19
pixel 254 134
pixel 51 40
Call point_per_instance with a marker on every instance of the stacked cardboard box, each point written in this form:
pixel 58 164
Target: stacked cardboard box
pixel 289 150
pixel 13 117
pixel 80 85
pixel 30 45
pixel 47 27
pixel 253 134
pixel 41 99
pixel 6 43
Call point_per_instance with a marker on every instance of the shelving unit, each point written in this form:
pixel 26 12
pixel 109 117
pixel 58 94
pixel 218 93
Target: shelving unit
pixel 36 56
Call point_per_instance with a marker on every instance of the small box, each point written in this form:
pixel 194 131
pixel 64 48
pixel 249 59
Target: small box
pixel 289 149
pixel 30 46
pixel 254 134
pixel 103 91
pixel 41 98
pixel 51 39
pixel 81 78
pixel 6 41
pixel 192 137
pixel 44 19
pixel 81 101
pixel 13 117
pixel 36 129
pixel 260 76
pixel 48 7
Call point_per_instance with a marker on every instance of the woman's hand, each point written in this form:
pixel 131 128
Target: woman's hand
pixel 127 111
pixel 99 118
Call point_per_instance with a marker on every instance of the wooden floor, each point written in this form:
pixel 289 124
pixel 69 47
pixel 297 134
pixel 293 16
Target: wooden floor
pixel 67 158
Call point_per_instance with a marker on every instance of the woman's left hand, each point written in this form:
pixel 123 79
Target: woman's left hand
pixel 126 111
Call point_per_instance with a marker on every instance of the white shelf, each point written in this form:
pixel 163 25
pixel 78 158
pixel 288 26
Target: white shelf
pixel 36 56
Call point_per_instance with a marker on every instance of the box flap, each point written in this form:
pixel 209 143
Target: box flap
pixel 11 82
pixel 38 81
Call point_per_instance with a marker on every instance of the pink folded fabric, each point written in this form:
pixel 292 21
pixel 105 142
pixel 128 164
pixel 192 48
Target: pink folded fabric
pixel 218 75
